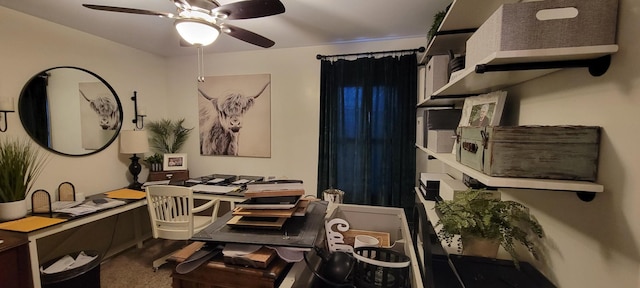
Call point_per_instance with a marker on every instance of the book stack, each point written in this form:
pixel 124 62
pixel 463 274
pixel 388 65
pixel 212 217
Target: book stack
pixel 269 204
pixel 430 185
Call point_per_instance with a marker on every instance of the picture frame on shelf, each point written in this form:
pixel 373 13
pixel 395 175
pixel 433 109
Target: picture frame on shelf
pixel 173 162
pixel 482 110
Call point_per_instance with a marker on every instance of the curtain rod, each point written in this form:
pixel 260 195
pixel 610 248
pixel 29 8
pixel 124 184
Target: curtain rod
pixel 322 57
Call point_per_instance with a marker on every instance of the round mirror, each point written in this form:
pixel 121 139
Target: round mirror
pixel 70 111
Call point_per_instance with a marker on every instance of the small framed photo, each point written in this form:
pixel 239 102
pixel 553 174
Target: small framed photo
pixel 174 162
pixel 482 110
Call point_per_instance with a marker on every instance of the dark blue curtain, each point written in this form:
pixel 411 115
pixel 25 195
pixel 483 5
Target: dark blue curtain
pixel 35 100
pixel 367 130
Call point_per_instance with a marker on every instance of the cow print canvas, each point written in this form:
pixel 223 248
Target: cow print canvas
pixel 235 115
pixel 99 117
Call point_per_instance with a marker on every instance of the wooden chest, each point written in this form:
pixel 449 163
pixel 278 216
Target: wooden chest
pixel 177 175
pixel 217 274
pixel 547 152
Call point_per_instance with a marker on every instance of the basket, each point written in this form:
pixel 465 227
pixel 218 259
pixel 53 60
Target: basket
pixel 379 267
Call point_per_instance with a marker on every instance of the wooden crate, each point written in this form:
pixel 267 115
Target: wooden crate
pixel 217 274
pixel 546 152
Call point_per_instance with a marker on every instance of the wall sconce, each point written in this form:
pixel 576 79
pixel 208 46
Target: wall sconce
pixel 139 114
pixel 6 106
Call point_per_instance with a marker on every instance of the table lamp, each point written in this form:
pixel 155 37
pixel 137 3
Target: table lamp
pixel 134 142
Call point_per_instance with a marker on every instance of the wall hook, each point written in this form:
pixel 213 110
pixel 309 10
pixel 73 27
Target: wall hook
pixel 6 106
pixel 139 115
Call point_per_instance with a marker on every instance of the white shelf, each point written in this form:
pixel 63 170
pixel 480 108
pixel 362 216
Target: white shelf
pixel 441 102
pixel 463 14
pixel 521 183
pixel 470 82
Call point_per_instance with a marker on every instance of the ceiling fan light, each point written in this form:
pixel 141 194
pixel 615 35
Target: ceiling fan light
pixel 197 32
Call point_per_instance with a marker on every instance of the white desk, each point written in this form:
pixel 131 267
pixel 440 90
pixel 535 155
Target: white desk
pixel 82 220
pixel 86 219
pixel 209 196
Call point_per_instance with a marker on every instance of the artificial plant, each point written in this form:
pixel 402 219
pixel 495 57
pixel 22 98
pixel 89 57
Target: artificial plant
pixel 477 213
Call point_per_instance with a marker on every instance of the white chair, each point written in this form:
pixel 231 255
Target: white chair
pixel 171 209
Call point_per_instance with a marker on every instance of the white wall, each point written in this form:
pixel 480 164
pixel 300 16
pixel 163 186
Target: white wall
pixel 594 244
pixel 589 244
pixel 30 45
pixel 295 104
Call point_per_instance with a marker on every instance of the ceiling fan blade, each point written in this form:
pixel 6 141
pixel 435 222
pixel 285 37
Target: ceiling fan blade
pixel 128 10
pixel 204 4
pixel 250 9
pixel 247 36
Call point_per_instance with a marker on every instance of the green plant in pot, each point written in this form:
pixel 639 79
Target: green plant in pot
pixel 154 162
pixel 167 136
pixel 478 214
pixel 20 165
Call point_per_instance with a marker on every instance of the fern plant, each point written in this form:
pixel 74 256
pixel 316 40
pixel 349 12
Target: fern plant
pixel 167 136
pixel 437 20
pixel 20 165
pixel 477 213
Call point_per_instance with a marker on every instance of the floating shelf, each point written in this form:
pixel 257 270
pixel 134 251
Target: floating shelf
pixel 520 183
pixel 469 82
pixel 462 15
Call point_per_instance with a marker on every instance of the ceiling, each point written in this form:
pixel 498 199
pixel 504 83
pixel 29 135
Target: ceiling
pixel 305 22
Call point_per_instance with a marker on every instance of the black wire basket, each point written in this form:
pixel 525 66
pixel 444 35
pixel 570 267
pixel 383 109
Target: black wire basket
pixel 380 268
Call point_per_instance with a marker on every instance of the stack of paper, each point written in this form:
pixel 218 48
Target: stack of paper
pixel 90 207
pixel 57 205
pixel 279 188
pixel 151 183
pixel 269 204
pixel 67 262
pixel 213 189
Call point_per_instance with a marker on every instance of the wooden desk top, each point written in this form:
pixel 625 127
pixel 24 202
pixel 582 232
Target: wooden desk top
pixel 12 240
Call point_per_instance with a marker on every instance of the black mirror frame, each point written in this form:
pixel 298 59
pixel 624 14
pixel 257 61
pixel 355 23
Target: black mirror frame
pixel 113 92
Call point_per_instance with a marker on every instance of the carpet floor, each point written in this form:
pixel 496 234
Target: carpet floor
pixel 133 267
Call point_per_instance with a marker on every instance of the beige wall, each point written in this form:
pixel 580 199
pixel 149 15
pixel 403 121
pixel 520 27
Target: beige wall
pixel 594 244
pixel 295 86
pixel 30 45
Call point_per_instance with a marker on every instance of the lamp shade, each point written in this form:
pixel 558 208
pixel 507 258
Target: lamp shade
pixel 134 142
pixel 196 31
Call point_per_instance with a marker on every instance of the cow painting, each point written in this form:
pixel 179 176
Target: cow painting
pixel 107 111
pixel 222 118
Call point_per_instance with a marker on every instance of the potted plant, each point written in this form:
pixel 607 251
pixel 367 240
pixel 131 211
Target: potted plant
pixel 20 166
pixel 154 162
pixel 168 136
pixel 477 215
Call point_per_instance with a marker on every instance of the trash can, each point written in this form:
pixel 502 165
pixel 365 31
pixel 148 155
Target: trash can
pixel 85 276
pixel 381 268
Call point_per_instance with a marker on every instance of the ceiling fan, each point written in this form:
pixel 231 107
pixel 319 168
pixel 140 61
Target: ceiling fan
pixel 199 22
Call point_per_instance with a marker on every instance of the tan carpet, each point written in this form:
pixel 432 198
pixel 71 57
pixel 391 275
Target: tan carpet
pixel 132 268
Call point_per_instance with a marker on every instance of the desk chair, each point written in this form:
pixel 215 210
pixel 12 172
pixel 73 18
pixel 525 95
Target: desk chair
pixel 171 209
